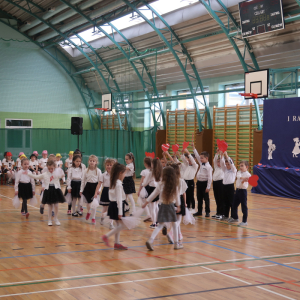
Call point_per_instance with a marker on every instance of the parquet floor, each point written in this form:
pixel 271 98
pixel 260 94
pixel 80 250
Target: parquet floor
pixel 219 261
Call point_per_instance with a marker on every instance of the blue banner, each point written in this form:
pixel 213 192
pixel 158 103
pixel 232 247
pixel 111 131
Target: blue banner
pixel 281 133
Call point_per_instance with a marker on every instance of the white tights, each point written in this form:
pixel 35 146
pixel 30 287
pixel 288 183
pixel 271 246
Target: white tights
pixel 90 210
pixel 10 175
pixel 153 211
pixel 160 227
pixel 116 231
pixel 52 207
pixel 179 218
pixel 74 205
pixel 130 197
pixel 104 213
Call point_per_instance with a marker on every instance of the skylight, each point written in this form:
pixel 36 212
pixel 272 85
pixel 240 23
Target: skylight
pixel 161 6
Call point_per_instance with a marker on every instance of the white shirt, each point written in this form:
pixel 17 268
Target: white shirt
pixel 229 175
pixel 74 174
pixel 33 164
pixel 145 172
pixel 239 184
pixel 20 177
pixel 18 160
pixel 117 195
pixel 218 173
pixel 158 191
pixel 69 162
pixel 105 179
pixel 182 165
pixel 18 163
pixel 43 162
pixel 189 171
pixel 49 178
pixel 149 180
pixel 131 171
pixel 182 186
pixel 3 160
pixel 8 164
pixel 205 171
pixel 58 163
pixel 92 176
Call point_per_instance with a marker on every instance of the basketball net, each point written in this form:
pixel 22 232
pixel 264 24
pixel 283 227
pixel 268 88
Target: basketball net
pixel 100 111
pixel 251 95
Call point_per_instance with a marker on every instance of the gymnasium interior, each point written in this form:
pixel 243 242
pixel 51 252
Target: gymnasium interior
pixel 112 77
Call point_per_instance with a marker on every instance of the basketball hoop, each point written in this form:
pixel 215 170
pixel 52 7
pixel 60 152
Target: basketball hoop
pixel 99 110
pixel 251 95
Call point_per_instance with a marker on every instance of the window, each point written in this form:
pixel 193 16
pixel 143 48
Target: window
pixel 234 98
pixel 189 103
pixel 158 116
pixel 16 123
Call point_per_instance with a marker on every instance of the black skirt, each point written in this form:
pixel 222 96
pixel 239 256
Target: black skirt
pixel 182 206
pixel 150 190
pixel 25 190
pixel 89 191
pixel 104 200
pixel 53 196
pixel 75 189
pixel 113 211
pixel 128 185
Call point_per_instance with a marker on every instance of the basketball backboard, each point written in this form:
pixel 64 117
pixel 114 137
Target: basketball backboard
pixel 106 101
pixel 257 82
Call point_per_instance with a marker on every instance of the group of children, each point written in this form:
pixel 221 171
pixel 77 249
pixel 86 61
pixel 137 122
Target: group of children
pixel 166 190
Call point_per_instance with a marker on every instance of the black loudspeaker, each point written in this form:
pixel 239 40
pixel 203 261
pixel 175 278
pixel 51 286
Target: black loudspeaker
pixel 76 125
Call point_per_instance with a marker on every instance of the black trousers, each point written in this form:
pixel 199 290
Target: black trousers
pixel 218 193
pixel 240 197
pixel 228 195
pixel 190 193
pixel 201 195
pixel 24 206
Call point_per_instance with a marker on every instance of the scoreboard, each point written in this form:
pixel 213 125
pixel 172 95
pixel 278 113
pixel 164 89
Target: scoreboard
pixel 260 16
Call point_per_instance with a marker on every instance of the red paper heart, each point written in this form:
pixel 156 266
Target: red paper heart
pixel 222 145
pixel 165 147
pixel 185 145
pixel 152 155
pixel 175 148
pixel 253 180
pixel 146 154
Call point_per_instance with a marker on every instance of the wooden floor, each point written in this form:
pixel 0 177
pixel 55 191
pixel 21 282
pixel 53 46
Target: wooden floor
pixel 219 261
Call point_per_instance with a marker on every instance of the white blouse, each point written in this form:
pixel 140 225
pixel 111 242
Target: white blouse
pixel 105 179
pixel 218 173
pixel 131 171
pixel 8 164
pixel 20 177
pixel 145 172
pixel 117 195
pixel 239 184
pixel 59 164
pixel 189 171
pixel 69 162
pixel 74 174
pixel 33 164
pixel 229 175
pixel 49 178
pixel 158 192
pixel 43 162
pixel 149 180
pixel 92 176
pixel 182 186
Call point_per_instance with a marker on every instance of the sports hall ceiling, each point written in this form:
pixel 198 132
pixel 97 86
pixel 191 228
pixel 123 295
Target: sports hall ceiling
pixel 209 47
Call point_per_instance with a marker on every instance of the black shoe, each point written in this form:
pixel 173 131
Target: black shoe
pixel 207 215
pixel 75 214
pixel 197 214
pixel 80 213
pixel 41 210
pixel 164 231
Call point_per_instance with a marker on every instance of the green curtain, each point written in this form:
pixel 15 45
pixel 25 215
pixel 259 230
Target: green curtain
pixel 103 143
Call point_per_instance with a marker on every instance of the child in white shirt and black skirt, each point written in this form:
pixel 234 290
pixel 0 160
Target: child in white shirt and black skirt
pixel 128 182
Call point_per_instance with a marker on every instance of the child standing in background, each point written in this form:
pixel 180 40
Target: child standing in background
pixel 144 173
pixel 204 179
pixel 24 186
pixel 116 205
pixel 218 177
pixel 150 183
pixel 240 196
pixel 43 160
pixel 128 182
pixel 229 170
pixel 189 174
pixel 105 181
pixel 8 167
pixel 18 161
pixel 90 186
pixel 75 174
pixel 68 165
